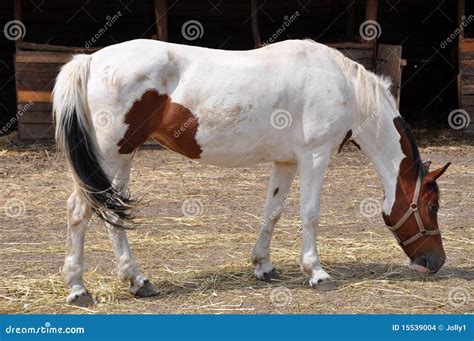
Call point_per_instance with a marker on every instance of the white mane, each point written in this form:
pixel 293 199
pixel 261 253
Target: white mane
pixel 371 91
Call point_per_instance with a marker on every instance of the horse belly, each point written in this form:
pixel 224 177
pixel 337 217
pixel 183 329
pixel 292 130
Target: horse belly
pixel 242 139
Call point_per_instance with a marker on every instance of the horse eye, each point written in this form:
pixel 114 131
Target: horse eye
pixel 434 208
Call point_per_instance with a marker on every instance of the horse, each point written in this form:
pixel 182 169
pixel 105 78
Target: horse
pixel 291 103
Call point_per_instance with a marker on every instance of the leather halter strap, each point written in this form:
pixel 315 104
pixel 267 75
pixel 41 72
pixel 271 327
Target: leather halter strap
pixel 413 209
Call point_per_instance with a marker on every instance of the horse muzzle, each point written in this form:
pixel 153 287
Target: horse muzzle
pixel 427 264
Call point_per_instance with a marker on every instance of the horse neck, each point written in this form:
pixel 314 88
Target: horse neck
pixel 387 141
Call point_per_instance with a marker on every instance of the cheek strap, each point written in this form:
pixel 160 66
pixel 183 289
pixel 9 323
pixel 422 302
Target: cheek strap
pixel 413 209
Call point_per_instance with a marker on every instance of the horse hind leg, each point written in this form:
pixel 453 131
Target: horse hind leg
pixel 72 271
pixel 127 269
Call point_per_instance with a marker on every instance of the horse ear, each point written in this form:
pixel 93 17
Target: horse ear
pixel 427 165
pixel 433 175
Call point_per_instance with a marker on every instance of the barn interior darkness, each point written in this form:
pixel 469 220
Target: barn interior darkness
pixel 429 80
pixel 429 88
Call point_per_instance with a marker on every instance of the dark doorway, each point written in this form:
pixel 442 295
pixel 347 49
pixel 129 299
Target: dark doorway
pixel 7 74
pixel 422 27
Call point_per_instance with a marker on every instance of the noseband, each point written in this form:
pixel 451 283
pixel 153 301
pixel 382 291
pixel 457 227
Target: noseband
pixel 413 209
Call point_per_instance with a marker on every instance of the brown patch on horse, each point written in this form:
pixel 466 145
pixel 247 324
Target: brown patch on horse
pixel 171 124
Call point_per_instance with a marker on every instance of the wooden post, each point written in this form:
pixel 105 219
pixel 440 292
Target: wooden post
pixel 161 19
pixel 350 23
pixel 371 10
pixel 255 31
pixel 390 63
pixel 461 11
pixel 17 14
pixel 371 14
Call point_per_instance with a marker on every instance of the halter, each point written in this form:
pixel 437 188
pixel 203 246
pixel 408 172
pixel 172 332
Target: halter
pixel 413 209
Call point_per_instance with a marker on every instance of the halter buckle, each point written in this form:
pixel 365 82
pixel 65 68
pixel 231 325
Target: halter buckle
pixel 413 206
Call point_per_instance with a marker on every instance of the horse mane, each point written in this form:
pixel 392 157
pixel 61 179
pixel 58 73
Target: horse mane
pixel 371 91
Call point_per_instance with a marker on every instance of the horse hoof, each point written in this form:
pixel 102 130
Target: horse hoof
pixel 147 290
pixel 324 285
pixel 83 300
pixel 270 276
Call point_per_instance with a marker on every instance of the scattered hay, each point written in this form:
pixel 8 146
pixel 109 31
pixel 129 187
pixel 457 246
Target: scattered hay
pixel 202 263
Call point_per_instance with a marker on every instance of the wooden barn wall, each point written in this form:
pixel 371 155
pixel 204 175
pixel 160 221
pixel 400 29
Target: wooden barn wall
pixel 68 23
pixel 467 78
pixel 35 74
pixel 7 75
pixel 226 27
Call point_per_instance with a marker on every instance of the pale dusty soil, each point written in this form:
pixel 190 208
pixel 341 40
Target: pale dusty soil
pixel 202 264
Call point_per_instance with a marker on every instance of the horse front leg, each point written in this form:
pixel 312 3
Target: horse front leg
pixel 312 167
pixel 280 183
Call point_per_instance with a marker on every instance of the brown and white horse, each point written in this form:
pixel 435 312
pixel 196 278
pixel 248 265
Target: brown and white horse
pixel 291 103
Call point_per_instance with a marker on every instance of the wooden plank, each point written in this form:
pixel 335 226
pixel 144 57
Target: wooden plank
pixel 32 84
pixel 36 117
pixel 34 131
pixel 352 45
pixel 467 101
pixel 38 106
pixel 389 63
pixel 470 111
pixel 57 48
pixel 33 96
pixel 39 68
pixel 161 18
pixel 42 57
pixel 31 75
pixel 467 56
pixel 364 57
pixel 467 89
pixel 467 45
pixel 257 41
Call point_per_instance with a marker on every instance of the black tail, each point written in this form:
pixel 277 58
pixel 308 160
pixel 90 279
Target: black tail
pixel 74 135
pixel 106 201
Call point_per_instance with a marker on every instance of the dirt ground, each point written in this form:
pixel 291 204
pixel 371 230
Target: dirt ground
pixel 202 263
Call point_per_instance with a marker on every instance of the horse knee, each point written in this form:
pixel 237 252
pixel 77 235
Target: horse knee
pixel 77 208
